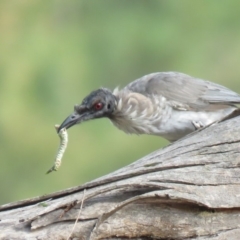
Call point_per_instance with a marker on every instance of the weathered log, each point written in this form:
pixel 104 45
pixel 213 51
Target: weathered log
pixel 189 189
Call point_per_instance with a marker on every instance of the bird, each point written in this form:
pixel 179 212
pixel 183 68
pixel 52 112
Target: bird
pixel 166 104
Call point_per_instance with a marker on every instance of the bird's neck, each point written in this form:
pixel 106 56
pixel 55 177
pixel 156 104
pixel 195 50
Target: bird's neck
pixel 136 113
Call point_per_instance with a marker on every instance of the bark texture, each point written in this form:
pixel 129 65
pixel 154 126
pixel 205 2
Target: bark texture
pixel 187 190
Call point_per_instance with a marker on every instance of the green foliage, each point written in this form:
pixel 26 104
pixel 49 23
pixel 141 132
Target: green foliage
pixel 53 53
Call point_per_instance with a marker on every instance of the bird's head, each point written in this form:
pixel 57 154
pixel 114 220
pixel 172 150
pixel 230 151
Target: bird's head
pixel 99 103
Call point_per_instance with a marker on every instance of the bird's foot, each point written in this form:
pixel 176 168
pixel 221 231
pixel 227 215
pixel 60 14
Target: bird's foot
pixel 197 125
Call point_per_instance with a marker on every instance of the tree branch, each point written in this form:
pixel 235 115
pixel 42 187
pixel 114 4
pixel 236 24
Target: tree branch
pixel 189 189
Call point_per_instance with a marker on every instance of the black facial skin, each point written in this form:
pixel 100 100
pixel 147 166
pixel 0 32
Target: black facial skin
pixel 98 104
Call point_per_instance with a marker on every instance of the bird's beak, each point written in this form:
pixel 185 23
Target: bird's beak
pixel 71 120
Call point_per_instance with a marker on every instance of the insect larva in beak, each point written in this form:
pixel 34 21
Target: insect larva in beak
pixel 61 149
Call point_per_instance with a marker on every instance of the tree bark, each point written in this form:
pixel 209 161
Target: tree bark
pixel 187 190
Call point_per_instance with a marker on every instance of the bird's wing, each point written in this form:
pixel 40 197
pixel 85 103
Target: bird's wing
pixel 182 89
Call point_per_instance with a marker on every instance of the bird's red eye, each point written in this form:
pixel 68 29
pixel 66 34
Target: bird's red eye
pixel 98 106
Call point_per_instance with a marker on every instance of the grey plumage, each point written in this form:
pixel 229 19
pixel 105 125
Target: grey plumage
pixel 181 88
pixel 167 104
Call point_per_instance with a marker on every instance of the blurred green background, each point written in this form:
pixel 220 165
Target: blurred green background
pixel 53 53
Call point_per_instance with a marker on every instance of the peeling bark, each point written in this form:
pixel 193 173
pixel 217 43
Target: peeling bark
pixel 187 190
